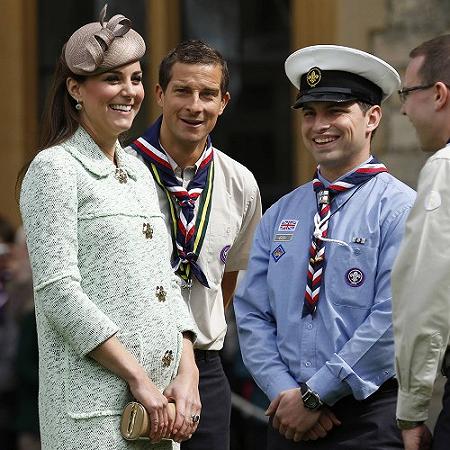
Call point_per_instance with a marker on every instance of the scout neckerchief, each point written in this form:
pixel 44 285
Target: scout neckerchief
pixel 316 263
pixel 188 233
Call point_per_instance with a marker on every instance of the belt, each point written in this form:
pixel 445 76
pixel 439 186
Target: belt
pixel 388 385
pixel 205 355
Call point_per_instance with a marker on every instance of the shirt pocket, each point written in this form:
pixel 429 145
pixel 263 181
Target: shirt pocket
pixel 217 246
pixel 219 242
pixel 350 275
pixel 92 390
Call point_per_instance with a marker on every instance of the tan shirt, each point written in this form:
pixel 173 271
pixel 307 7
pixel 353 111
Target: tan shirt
pixel 235 213
pixel 421 290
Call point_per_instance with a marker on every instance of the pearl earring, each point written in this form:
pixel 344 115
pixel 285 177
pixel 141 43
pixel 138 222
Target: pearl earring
pixel 78 106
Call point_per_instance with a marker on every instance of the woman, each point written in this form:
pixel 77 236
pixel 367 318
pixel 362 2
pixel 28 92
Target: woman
pixel 111 322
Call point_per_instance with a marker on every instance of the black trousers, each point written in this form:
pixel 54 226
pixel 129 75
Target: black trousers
pixel 366 425
pixel 213 432
pixel 441 439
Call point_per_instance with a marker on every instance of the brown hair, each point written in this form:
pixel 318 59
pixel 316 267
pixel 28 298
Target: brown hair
pixel 193 52
pixel 60 119
pixel 436 64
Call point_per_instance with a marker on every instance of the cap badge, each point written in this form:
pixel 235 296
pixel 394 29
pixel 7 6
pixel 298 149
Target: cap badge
pixel 313 77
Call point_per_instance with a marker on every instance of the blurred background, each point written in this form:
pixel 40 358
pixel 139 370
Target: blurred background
pixel 258 129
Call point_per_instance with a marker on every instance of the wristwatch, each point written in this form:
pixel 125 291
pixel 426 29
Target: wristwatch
pixel 311 399
pixel 408 424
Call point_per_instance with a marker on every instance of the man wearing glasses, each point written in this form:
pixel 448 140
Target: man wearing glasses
pixel 421 275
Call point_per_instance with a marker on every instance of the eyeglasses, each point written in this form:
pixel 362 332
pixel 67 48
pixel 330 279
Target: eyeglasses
pixel 403 93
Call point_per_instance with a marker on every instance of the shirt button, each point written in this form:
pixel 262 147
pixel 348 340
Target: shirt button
pixel 160 293
pixel 167 358
pixel 147 230
pixel 357 251
pixel 309 326
pixel 307 363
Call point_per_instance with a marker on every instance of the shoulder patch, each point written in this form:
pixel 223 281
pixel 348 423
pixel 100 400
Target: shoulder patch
pixel 432 200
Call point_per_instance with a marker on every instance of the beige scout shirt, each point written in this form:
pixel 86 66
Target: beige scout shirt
pixel 235 213
pixel 421 290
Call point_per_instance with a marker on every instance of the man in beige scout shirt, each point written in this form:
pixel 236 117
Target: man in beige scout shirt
pixel 212 205
pixel 421 275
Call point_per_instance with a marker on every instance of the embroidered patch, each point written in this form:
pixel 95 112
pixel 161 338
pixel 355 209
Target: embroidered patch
pixel 313 76
pixel 283 237
pixel 432 201
pixel 288 225
pixel 224 253
pixel 278 253
pixel 354 277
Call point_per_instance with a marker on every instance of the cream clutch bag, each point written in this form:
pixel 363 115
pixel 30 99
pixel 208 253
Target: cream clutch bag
pixel 135 421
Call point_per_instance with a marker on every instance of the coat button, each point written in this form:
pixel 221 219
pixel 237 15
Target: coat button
pixel 167 358
pixel 161 293
pixel 147 230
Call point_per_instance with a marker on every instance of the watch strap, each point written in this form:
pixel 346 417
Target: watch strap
pixel 311 400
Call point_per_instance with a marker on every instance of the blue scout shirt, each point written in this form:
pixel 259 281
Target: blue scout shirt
pixel 348 347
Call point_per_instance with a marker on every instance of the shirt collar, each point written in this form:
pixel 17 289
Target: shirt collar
pixel 82 147
pixel 176 167
pixel 326 183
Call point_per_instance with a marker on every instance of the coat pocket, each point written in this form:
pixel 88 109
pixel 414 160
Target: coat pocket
pixel 92 390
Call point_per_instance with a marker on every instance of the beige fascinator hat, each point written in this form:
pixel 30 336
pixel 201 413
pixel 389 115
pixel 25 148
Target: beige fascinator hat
pixel 100 46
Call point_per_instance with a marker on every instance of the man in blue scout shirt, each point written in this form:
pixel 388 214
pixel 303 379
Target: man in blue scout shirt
pixel 314 310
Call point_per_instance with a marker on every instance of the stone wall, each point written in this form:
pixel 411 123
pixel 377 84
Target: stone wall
pixel 408 23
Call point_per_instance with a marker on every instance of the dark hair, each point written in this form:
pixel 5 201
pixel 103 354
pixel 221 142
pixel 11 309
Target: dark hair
pixel 7 233
pixel 364 106
pixel 60 119
pixel 436 65
pixel 193 52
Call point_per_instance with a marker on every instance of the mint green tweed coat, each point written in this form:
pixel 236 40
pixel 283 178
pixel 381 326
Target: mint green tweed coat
pixel 99 250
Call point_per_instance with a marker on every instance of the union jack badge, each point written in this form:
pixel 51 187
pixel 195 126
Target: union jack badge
pixel 288 225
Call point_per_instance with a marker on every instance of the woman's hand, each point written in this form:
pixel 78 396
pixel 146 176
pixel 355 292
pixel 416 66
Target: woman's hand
pixel 115 357
pixel 156 404
pixel 183 390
